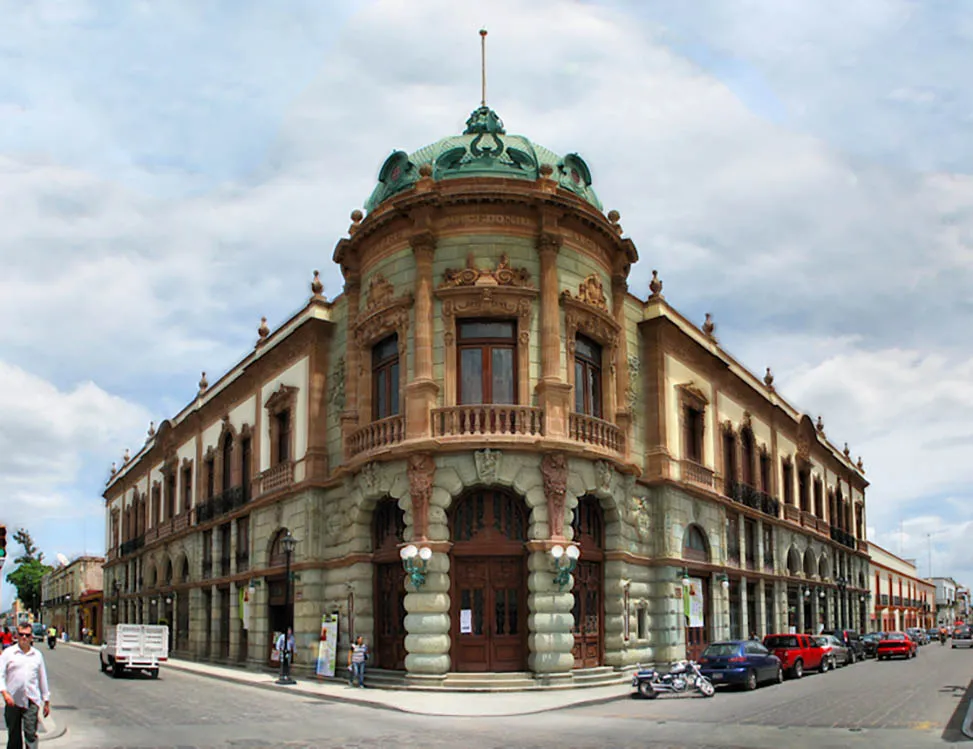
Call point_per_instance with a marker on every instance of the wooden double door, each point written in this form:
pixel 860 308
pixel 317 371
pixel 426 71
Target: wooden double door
pixel 489 614
pixel 389 645
pixel 587 614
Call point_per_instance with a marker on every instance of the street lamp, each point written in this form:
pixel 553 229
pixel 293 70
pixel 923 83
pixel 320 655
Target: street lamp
pixel 724 580
pixel 414 562
pixel 565 562
pixel 288 542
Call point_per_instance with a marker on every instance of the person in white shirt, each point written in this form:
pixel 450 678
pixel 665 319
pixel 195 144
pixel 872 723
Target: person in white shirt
pixel 23 684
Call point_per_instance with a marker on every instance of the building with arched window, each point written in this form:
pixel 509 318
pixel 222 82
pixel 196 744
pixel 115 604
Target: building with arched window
pixel 580 478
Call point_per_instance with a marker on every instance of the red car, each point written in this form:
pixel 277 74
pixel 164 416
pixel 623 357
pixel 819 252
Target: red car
pixel 896 643
pixel 797 653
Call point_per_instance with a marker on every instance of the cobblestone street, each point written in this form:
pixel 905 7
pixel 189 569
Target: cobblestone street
pixel 904 704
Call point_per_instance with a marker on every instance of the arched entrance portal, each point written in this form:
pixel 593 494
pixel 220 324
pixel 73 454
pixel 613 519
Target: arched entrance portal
pixel 388 527
pixel 589 534
pixel 488 607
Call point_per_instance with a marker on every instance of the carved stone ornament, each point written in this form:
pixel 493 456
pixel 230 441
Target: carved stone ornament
pixel 501 275
pixel 554 469
pixel 634 382
pixel 380 292
pixel 639 511
pixel 369 477
pixel 819 425
pixel 769 379
pixel 603 475
pixel 655 285
pixel 421 470
pixel 803 448
pixel 747 421
pixel 336 388
pixel 709 327
pixel 593 322
pixel 859 465
pixel 333 525
pixel 691 392
pixel 487 464
pixel 278 400
pixel 590 291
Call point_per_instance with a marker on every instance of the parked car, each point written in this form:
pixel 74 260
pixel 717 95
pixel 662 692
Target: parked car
pixel 919 635
pixel 744 662
pixel 797 653
pixel 933 634
pixel 834 650
pixel 851 640
pixel 963 637
pixel 896 644
pixel 870 643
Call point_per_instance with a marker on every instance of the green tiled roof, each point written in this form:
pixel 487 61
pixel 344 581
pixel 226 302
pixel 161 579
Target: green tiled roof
pixel 483 150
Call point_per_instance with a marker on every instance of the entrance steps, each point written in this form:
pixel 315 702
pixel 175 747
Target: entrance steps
pixel 511 681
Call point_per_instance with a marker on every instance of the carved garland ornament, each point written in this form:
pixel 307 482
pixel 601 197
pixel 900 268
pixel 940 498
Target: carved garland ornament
pixel 554 468
pixel 502 275
pixel 384 314
pixel 421 470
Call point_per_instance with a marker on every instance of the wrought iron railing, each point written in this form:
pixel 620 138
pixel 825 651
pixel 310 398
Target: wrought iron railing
pixel 221 504
pixel 883 600
pixel 132 545
pixel 843 537
pixel 752 497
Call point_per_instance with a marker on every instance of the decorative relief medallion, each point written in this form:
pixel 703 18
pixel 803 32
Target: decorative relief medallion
pixel 502 275
pixel 421 470
pixel 380 293
pixel 603 475
pixel 554 468
pixel 591 292
pixel 369 478
pixel 333 525
pixel 487 465
pixel 639 515
pixel 634 382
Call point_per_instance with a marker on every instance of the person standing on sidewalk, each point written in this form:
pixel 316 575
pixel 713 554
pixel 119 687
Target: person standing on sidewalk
pixel 356 662
pixel 23 684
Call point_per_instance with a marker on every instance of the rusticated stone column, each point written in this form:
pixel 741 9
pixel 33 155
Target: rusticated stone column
pixel 349 415
pixel 422 390
pixel 427 620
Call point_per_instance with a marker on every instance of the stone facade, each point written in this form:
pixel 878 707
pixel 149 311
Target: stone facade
pixel 569 465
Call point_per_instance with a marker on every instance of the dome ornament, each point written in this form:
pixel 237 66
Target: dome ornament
pixel 709 327
pixel 769 379
pixel 203 384
pixel 151 431
pixel 819 425
pixel 263 331
pixel 847 452
pixel 356 219
pixel 655 286
pixel 483 36
pixel 859 465
pixel 614 217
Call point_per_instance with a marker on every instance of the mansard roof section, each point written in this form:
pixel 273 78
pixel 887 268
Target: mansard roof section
pixel 317 309
pixel 656 307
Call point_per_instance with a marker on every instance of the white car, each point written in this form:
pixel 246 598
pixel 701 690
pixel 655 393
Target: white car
pixel 963 637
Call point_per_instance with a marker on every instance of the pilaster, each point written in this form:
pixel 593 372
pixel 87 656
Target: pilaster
pixel 550 620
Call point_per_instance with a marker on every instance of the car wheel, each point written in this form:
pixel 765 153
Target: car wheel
pixel 780 675
pixel 834 664
pixel 852 658
pixel 751 681
pixel 101 664
pixel 646 690
pixel 798 669
pixel 823 668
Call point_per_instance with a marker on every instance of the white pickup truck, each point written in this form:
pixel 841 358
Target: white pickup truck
pixel 134 647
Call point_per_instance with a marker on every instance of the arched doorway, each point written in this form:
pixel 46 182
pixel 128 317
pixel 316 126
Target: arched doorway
pixel 488 600
pixel 589 534
pixel 280 607
pixel 696 604
pixel 388 527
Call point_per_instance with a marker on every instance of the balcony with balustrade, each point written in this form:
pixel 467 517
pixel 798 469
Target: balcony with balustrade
pixel 696 474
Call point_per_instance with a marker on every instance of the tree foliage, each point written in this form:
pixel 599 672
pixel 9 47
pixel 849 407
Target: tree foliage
pixel 31 568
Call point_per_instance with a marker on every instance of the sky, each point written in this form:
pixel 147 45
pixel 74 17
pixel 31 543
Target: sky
pixel 172 171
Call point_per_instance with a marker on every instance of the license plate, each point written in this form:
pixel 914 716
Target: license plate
pixel 716 677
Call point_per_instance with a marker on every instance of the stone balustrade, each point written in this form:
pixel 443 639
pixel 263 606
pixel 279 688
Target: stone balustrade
pixel 487 419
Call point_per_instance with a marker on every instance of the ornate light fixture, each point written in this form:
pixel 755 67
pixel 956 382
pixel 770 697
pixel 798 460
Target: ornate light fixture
pixel 565 562
pixel 821 593
pixel 723 579
pixel 415 560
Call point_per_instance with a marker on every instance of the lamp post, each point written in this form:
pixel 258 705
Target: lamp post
pixel 288 542
pixel 415 562
pixel 565 562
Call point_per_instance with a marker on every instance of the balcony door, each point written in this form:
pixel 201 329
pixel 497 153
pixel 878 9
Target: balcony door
pixel 588 525
pixel 487 365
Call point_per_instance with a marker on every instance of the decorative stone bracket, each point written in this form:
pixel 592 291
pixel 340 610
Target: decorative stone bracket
pixel 421 471
pixel 554 469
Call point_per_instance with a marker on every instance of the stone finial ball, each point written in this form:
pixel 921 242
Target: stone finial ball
pixel 614 216
pixel 546 170
pixel 425 170
pixel 357 215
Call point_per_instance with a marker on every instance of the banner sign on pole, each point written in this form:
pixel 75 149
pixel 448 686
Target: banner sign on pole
pixel 328 645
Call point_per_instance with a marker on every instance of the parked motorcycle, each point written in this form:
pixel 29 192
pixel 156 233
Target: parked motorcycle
pixel 683 676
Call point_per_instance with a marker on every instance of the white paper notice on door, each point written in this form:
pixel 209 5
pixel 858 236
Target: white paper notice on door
pixel 466 621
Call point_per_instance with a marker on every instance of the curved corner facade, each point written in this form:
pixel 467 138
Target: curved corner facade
pixel 588 480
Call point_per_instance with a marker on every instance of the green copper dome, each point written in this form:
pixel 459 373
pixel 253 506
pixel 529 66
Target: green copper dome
pixel 483 150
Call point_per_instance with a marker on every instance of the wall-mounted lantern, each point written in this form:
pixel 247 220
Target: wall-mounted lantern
pixel 565 562
pixel 415 561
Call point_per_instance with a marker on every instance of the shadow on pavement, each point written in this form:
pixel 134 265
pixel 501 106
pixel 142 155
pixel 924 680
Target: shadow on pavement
pixel 954 728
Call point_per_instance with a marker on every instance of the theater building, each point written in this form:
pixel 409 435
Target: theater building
pixel 584 478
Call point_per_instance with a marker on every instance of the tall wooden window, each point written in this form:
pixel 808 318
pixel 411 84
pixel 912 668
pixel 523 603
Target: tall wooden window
pixel 227 456
pixel 765 482
pixel 818 498
pixel 210 471
pixel 156 504
pixel 733 537
pixel 246 456
pixel 385 378
pixel 750 536
pixel 242 543
pixel 746 457
pixel 768 546
pixel 187 488
pixel 729 463
pixel 587 377
pixel 283 421
pixel 207 553
pixel 170 493
pixel 804 489
pixel 787 472
pixel 693 433
pixel 487 361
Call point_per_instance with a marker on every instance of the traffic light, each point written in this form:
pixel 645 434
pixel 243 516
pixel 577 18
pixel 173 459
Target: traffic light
pixel 3 544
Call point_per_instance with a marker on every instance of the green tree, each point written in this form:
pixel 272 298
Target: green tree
pixel 31 568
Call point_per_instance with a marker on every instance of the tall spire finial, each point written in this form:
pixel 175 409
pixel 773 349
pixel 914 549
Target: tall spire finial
pixel 483 35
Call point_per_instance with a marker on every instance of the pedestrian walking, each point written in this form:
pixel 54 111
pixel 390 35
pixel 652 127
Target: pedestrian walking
pixel 6 638
pixel 356 662
pixel 285 646
pixel 23 684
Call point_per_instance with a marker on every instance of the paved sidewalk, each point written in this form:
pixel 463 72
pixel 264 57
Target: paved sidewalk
pixel 47 728
pixel 453 704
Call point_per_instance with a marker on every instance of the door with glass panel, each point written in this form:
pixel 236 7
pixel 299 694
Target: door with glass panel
pixel 486 373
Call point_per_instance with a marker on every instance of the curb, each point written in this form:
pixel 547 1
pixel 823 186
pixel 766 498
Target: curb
pixel 968 721
pixel 52 729
pixel 231 676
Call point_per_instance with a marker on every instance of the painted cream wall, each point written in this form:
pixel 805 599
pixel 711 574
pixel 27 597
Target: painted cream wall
pixel 677 373
pixel 727 408
pixel 295 376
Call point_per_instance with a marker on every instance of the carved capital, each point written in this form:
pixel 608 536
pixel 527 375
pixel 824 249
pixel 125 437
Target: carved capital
pixel 549 243
pixel 554 469
pixel 421 470
pixel 423 245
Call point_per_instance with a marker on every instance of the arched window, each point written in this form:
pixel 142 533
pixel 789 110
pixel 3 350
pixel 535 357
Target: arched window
pixel 490 518
pixel 168 575
pixel 588 524
pixel 278 558
pixel 793 562
pixel 227 461
pixel 694 545
pixel 388 529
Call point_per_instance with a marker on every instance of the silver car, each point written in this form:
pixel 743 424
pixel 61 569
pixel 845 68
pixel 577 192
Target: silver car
pixel 834 649
pixel 963 637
